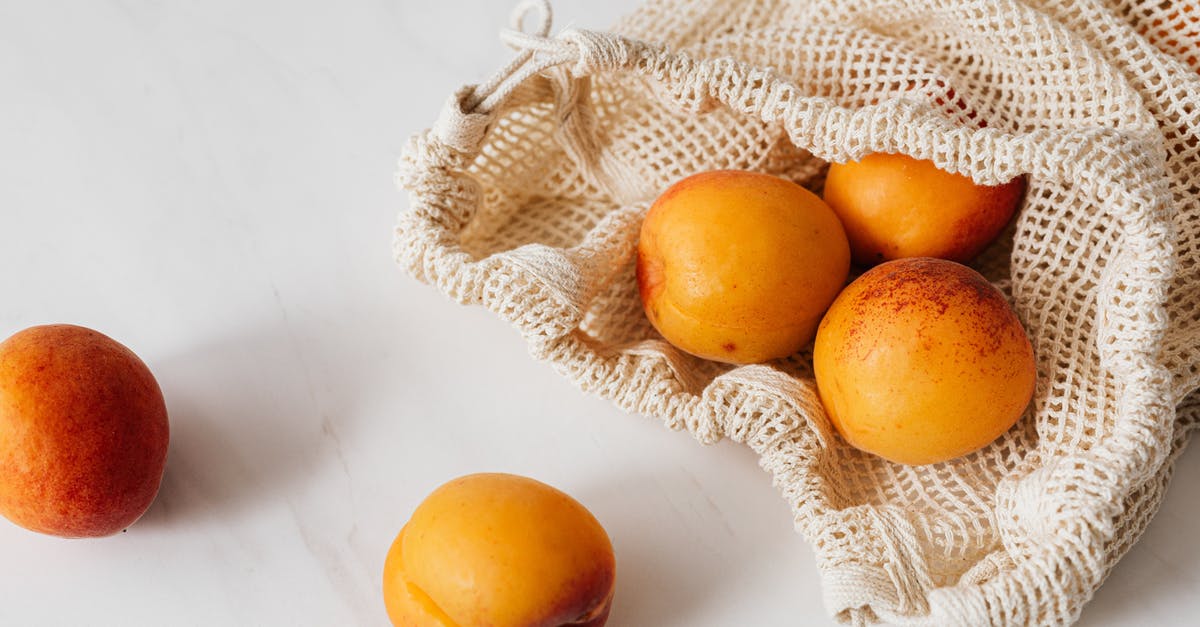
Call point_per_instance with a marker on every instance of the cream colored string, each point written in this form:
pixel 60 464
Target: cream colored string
pixel 487 96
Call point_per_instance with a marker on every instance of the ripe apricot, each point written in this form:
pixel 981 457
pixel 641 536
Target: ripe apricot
pixel 83 432
pixel 894 206
pixel 739 266
pixel 500 550
pixel 922 360
pixel 1186 26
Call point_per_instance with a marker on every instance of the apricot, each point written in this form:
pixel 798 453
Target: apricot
pixel 83 432
pixel 738 267
pixel 894 206
pixel 1186 26
pixel 500 550
pixel 922 360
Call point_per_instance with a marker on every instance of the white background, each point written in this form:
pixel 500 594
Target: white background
pixel 211 184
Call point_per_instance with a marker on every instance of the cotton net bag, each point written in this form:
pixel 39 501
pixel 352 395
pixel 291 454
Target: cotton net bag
pixel 528 193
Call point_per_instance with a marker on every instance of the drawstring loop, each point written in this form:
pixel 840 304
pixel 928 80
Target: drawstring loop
pixel 487 96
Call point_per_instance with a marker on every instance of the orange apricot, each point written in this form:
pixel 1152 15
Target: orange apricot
pixel 738 267
pixel 83 432
pixel 922 360
pixel 500 550
pixel 894 206
pixel 1184 25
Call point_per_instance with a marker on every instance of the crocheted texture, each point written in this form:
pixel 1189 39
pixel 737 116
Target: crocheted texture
pixel 527 195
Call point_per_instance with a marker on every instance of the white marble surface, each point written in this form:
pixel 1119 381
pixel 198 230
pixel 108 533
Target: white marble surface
pixel 211 183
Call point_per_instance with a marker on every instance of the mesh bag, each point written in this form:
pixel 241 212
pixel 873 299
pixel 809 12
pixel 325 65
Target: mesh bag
pixel 527 195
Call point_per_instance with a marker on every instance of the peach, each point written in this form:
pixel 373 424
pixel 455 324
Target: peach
pixel 500 550
pixel 922 360
pixel 83 432
pixel 738 267
pixel 894 206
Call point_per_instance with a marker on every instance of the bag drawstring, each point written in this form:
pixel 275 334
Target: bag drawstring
pixel 487 96
pixel 538 51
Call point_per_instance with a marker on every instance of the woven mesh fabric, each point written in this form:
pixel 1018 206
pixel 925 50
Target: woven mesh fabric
pixel 529 203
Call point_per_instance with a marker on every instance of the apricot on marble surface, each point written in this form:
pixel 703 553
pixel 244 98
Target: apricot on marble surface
pixel 500 550
pixel 738 266
pixel 83 432
pixel 894 206
pixel 922 360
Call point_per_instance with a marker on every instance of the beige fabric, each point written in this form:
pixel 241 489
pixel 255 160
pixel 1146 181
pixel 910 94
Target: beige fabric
pixel 527 195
